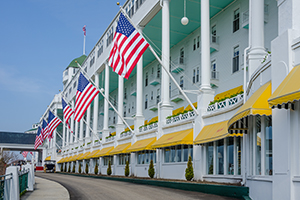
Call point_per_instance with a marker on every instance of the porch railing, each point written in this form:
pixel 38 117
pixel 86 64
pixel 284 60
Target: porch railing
pixel 5 182
pixel 23 180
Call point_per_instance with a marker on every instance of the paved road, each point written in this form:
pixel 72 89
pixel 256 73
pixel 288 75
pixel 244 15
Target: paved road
pixel 92 188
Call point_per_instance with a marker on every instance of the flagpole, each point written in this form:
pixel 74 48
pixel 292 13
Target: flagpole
pixel 84 45
pixel 86 76
pixel 156 56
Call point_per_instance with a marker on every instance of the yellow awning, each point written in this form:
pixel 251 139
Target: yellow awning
pixel 103 152
pixel 120 149
pixel 92 154
pixel 288 90
pixel 61 160
pixel 228 93
pixel 142 145
pixel 69 159
pixel 172 139
pixel 114 133
pixel 178 110
pixel 83 156
pixel 189 107
pixel 153 119
pixel 212 132
pixel 74 157
pixel 78 156
pixel 48 158
pixel 257 104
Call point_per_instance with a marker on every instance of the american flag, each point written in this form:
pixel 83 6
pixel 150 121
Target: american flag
pixel 84 30
pixel 44 131
pixel 86 92
pixel 68 112
pixel 31 153
pixel 128 47
pixel 53 122
pixel 24 154
pixel 38 139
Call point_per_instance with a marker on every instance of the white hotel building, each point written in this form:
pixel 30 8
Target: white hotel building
pixel 237 61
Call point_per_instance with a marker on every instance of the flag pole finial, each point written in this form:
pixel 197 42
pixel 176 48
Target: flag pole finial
pixel 118 3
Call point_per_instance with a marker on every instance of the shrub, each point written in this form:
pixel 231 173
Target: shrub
pixel 79 169
pixel 127 169
pixel 96 169
pixel 151 170
pixel 189 171
pixel 109 168
pixel 61 167
pixel 86 168
pixel 65 167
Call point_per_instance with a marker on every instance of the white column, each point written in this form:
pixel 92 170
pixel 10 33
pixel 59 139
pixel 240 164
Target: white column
pixel 256 34
pixel 96 107
pixel 64 135
pixel 165 52
pixel 88 123
pixel 81 130
pixel 76 131
pixel 72 124
pixel 205 45
pixel 54 138
pixel 105 120
pixel 120 125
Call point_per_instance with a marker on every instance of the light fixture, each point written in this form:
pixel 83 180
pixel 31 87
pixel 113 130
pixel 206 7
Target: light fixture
pixel 184 20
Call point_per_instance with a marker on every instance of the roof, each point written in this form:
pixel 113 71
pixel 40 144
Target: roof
pixel 80 60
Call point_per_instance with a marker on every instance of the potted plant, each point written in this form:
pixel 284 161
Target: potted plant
pixel 189 171
pixel 151 170
pixel 127 168
pixel 109 168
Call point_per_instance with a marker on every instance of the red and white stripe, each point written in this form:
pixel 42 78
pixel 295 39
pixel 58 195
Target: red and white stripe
pixel 83 100
pixel 126 52
pixel 52 126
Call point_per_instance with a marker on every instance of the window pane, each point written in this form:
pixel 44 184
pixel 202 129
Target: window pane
pixel 239 155
pixel 268 144
pixel 146 157
pixel 220 154
pixel 139 157
pixel 167 155
pixel 210 158
pixel 178 153
pixel 185 153
pixel 191 151
pixel 230 166
pixel 258 145
pixel 172 154
pixel 154 156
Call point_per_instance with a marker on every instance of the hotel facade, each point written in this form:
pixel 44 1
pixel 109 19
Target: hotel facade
pixel 236 60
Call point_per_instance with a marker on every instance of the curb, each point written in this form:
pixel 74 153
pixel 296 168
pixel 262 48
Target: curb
pixel 222 190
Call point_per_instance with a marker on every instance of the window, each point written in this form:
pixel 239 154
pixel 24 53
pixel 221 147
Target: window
pixel 132 105
pixel 129 109
pixel 235 60
pixel 198 42
pixel 258 146
pixel 74 85
pixel 114 120
pixel 151 95
pixel 210 158
pixel 213 69
pixel 146 101
pixel 181 82
pixel 106 159
pixel 152 70
pixel 213 34
pixel 92 61
pixel 179 153
pixel 230 153
pixel 181 60
pixel 158 96
pixel 125 93
pixel 158 71
pixel 220 157
pixel 194 76
pixel 146 79
pixel 236 20
pixel 70 90
pixel 100 49
pixel 198 74
pixel 124 111
pixel 123 158
pixel 268 145
pixel 109 36
pixel 144 157
pixel 194 46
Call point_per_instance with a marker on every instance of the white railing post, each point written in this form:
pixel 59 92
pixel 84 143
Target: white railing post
pixel 14 192
pixel 30 181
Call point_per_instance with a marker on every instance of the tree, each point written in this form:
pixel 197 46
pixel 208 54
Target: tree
pixel 189 171
pixel 151 170
pixel 109 168
pixel 86 168
pixel 127 168
pixel 6 157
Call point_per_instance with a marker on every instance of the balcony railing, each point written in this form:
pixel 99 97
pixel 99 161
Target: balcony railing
pixel 178 64
pixel 181 117
pixel 218 106
pixel 154 79
pixel 214 75
pixel 176 95
pixel 126 134
pixel 110 138
pixel 148 127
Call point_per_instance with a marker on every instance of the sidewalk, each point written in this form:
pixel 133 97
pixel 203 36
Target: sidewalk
pixel 46 190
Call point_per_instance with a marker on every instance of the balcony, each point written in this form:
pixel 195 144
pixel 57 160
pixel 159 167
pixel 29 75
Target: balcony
pixel 154 79
pixel 245 17
pixel 178 65
pixel 126 134
pixel 110 138
pixel 176 95
pixel 181 117
pixel 227 103
pixel 214 75
pixel 148 127
pixel 214 43
pixel 153 105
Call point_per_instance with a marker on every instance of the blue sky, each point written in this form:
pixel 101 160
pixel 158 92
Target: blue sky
pixel 38 40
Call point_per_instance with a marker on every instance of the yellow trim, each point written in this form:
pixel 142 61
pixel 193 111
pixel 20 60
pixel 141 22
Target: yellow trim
pixel 178 110
pixel 146 122
pixel 172 139
pixel 189 107
pixel 257 104
pixel 114 133
pixel 103 152
pixel 153 119
pixel 288 90
pixel 228 93
pixel 48 158
pixel 142 145
pixel 120 149
pixel 92 154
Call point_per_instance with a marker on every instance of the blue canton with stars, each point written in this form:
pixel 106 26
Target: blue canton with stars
pixel 82 83
pixel 124 26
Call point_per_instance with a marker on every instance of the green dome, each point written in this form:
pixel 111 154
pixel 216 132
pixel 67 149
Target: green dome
pixel 79 60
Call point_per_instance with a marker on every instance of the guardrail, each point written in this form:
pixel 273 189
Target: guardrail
pixel 5 186
pixel 23 180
